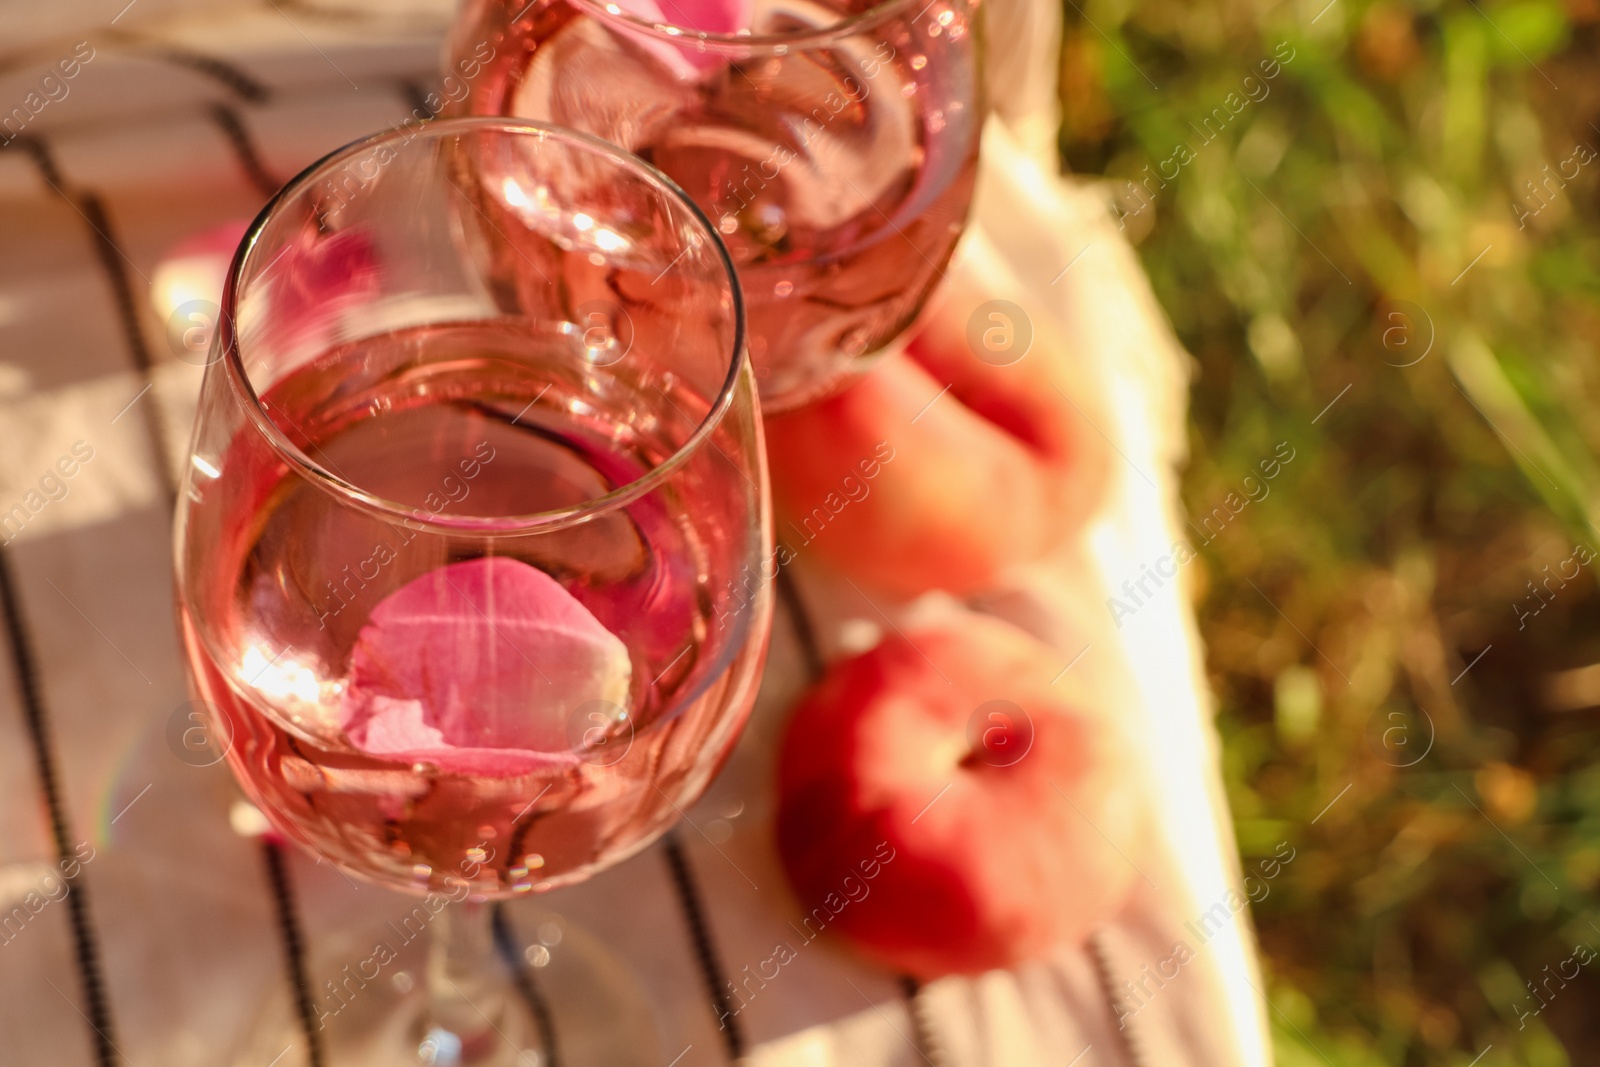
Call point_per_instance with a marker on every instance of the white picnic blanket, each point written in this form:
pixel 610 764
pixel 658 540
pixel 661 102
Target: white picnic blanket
pixel 181 115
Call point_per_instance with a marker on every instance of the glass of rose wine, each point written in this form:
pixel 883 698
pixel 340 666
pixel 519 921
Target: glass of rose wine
pixel 469 545
pixel 834 144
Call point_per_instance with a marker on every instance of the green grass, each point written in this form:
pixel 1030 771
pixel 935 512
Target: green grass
pixel 1364 206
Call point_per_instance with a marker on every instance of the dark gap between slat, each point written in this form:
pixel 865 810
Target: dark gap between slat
pixel 230 77
pixel 417 97
pixel 692 901
pixel 85 945
pixel 805 631
pixel 527 986
pixel 244 149
pixel 294 951
pixel 1100 955
pixel 922 1031
pixel 115 266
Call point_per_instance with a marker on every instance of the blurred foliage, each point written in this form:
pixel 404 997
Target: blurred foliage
pixel 1376 229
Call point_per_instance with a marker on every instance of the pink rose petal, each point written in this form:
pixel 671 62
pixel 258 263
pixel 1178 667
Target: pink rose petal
pixel 702 16
pixel 296 302
pixel 689 62
pixel 479 668
pixel 396 726
pixel 312 283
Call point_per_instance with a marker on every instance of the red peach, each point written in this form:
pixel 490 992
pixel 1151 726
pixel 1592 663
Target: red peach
pixel 949 810
pixel 998 471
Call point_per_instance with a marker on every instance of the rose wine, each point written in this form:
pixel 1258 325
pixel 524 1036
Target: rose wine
pixel 838 175
pixel 426 703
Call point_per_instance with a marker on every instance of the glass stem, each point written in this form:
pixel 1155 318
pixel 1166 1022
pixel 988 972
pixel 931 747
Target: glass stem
pixel 467 992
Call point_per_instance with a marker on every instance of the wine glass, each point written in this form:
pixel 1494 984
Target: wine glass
pixel 470 543
pixel 834 144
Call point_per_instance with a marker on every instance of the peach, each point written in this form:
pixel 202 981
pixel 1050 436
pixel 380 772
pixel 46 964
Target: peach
pixel 951 802
pixel 907 492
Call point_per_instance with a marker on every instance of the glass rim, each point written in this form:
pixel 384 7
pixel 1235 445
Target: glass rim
pixel 682 36
pixel 482 525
